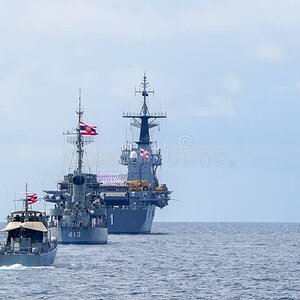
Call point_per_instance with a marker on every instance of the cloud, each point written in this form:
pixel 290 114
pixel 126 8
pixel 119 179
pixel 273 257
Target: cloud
pixel 297 85
pixel 222 104
pixel 217 105
pixel 270 53
pixel 124 81
pixel 212 17
pixel 232 84
pixel 89 19
pixel 13 87
pixel 234 16
pixel 138 20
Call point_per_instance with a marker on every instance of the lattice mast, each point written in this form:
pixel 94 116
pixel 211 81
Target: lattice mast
pixel 26 200
pixel 79 141
pixel 144 120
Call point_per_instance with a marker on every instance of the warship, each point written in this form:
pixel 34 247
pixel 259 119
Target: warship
pixel 131 202
pixel 79 215
pixel 29 242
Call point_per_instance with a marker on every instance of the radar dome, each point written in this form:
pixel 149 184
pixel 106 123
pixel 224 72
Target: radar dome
pixel 133 155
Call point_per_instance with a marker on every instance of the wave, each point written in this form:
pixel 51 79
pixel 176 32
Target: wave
pixel 21 267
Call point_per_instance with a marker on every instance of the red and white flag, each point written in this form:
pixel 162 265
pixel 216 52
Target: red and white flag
pixel 86 129
pixel 32 198
pixel 144 153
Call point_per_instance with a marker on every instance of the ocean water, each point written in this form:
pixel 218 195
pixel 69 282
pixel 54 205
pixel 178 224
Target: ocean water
pixel 177 261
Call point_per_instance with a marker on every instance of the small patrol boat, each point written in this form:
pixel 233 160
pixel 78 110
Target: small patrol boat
pixel 28 243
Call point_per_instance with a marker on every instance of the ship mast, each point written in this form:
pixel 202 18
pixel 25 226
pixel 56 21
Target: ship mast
pixel 79 140
pixel 78 178
pixel 145 93
pixel 26 200
pixel 144 120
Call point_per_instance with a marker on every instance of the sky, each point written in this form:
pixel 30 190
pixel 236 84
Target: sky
pixel 225 71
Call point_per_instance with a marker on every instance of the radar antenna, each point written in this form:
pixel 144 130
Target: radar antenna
pixel 144 120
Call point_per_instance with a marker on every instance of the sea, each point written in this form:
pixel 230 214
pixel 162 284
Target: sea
pixel 177 261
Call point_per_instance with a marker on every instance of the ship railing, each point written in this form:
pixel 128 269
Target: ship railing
pixel 118 207
pixel 55 223
pixel 79 224
pixel 3 244
pixel 137 115
pixel 9 248
pixel 143 204
pixel 76 213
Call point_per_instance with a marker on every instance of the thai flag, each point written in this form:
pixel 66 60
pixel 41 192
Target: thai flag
pixel 86 129
pixel 32 198
pixel 144 153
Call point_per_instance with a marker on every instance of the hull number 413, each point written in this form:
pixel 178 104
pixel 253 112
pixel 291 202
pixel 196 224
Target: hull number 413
pixel 74 234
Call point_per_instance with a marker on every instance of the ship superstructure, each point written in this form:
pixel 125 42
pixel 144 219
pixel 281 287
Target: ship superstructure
pixel 131 205
pixel 79 216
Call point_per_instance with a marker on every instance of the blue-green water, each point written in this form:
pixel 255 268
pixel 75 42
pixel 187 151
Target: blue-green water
pixel 177 261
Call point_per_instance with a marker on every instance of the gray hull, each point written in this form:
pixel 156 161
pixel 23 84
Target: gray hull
pixel 45 259
pixel 83 235
pixel 132 221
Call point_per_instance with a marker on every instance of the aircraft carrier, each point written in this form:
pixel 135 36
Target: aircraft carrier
pixel 131 201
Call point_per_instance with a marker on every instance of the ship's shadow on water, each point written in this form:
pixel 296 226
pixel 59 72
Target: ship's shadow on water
pixel 161 233
pixel 140 234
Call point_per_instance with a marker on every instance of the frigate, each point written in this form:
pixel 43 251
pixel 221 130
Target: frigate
pixel 28 242
pixel 79 215
pixel 131 202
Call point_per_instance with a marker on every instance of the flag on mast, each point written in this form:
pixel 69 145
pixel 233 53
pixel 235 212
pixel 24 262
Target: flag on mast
pixel 144 153
pixel 32 198
pixel 86 129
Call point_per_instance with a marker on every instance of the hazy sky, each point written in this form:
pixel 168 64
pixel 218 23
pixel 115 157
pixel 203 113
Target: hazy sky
pixel 227 73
